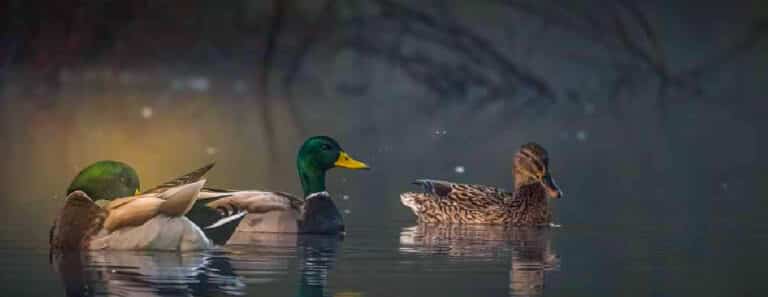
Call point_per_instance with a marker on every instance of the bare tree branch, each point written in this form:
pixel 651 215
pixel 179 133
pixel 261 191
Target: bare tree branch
pixel 272 38
pixel 326 17
pixel 273 35
pixel 467 41
pixel 647 50
pixel 757 33
pixel 479 65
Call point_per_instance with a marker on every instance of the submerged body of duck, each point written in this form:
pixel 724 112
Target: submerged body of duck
pixel 455 203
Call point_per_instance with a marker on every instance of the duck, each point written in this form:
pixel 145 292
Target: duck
pixel 444 202
pixel 153 221
pixel 219 210
pixel 281 212
pixel 106 180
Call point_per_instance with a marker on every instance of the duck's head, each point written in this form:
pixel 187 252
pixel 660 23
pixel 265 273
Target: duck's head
pixel 317 155
pixel 106 180
pixel 323 153
pixel 532 167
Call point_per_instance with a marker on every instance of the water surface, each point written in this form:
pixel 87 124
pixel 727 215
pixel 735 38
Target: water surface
pixel 401 259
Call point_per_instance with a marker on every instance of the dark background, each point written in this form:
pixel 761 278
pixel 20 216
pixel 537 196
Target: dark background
pixel 653 111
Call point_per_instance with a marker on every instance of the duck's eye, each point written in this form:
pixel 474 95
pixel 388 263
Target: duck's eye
pixel 325 147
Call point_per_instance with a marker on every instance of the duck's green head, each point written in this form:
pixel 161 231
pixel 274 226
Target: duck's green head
pixel 317 155
pixel 106 180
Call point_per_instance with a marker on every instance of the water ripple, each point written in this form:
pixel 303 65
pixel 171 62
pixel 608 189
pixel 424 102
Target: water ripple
pixel 272 264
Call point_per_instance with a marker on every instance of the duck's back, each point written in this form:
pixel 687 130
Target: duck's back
pixel 84 225
pixel 152 222
pixel 268 212
pixel 278 212
pixel 447 202
pixel 158 233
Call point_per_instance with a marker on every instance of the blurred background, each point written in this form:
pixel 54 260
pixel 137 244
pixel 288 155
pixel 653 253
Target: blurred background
pixel 652 111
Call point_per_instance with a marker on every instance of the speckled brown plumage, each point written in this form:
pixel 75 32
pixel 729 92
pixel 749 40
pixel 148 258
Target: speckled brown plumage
pixel 455 203
pixel 477 204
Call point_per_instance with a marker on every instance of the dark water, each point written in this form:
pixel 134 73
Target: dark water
pixel 402 259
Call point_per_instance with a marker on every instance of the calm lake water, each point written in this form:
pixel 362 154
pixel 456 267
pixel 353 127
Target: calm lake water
pixel 403 259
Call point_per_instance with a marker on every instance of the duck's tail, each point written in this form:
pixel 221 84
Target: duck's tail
pixel 217 224
pixel 411 200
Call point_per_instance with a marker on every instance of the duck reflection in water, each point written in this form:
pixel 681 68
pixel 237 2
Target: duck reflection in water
pixel 530 247
pixel 316 255
pixel 122 273
pixel 211 273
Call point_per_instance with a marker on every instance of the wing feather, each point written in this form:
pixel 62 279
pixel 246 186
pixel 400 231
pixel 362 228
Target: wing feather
pixel 78 219
pixel 257 201
pixel 191 177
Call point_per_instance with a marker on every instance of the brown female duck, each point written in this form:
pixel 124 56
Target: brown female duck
pixel 527 205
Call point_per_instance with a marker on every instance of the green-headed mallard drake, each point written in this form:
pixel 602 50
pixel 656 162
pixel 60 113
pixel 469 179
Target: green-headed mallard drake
pixel 285 213
pixel 152 221
pixel 447 202
pixel 104 181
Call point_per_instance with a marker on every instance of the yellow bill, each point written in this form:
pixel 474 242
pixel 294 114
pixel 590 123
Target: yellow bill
pixel 345 161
